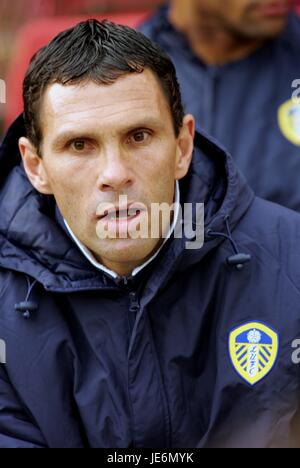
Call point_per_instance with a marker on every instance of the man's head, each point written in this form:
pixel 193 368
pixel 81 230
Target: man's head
pixel 248 19
pixel 104 118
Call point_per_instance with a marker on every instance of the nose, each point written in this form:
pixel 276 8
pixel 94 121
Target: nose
pixel 115 175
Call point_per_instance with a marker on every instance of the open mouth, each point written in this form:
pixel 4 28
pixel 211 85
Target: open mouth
pixel 120 219
pixel 120 215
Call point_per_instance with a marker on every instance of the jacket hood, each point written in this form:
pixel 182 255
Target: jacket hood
pixel 33 241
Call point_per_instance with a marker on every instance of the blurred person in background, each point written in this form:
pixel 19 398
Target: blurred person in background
pixel 236 61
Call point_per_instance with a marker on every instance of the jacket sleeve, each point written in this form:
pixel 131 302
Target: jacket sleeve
pixel 17 430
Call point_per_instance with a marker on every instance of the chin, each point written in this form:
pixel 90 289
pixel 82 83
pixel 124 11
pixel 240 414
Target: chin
pixel 271 29
pixel 126 250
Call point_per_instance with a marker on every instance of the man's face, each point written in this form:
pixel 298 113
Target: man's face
pixel 255 19
pixel 102 142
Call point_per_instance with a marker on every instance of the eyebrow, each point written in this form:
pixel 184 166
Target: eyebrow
pixel 69 135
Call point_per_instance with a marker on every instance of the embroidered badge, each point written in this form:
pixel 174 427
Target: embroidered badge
pixel 253 349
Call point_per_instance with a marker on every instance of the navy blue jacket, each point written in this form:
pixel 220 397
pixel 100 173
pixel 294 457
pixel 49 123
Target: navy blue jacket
pixel 246 105
pixel 146 362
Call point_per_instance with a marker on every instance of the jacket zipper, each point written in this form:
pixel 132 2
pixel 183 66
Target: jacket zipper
pixel 133 309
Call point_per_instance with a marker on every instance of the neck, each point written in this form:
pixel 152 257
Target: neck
pixel 211 43
pixel 121 270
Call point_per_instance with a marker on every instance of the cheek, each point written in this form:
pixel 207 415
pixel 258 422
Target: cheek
pixel 159 175
pixel 160 159
pixel 161 180
pixel 71 185
pixel 232 10
pixel 71 175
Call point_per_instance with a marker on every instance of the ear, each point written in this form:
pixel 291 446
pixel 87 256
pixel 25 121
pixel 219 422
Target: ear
pixel 185 147
pixel 34 167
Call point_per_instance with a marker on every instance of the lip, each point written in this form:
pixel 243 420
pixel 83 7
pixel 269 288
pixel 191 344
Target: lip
pixel 120 226
pixel 133 209
pixel 275 9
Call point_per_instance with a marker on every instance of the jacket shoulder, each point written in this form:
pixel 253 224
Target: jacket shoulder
pixel 296 26
pixel 273 231
pixel 292 33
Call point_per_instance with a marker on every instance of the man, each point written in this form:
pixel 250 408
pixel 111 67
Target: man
pixel 238 64
pixel 136 342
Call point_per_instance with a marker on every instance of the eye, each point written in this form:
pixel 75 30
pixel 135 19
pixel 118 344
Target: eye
pixel 140 136
pixel 80 146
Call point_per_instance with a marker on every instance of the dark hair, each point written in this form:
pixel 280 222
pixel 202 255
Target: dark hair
pixel 100 52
